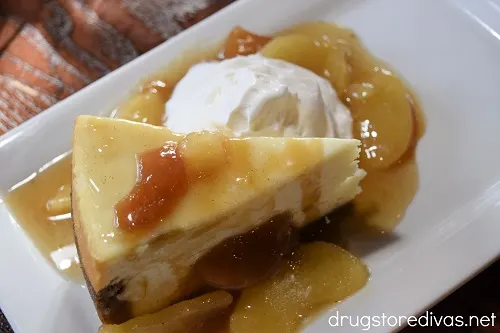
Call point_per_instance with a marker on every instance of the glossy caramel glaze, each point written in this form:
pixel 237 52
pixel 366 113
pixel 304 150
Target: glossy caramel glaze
pixel 387 119
pixel 32 204
pixel 162 181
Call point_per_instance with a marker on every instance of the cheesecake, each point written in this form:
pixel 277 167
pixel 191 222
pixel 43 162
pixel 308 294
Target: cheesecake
pixel 148 203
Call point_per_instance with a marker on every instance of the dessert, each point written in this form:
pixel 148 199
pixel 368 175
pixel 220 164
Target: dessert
pixel 312 80
pixel 326 271
pixel 143 217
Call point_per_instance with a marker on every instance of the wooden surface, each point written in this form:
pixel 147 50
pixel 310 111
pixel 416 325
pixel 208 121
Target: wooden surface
pixel 42 63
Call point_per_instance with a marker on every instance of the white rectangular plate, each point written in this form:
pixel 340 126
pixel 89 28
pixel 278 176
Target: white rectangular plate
pixel 448 51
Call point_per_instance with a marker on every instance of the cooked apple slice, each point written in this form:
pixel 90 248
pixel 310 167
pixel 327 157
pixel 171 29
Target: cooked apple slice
pixel 383 203
pixel 336 70
pixel 323 32
pixel 298 49
pixel 383 120
pixel 317 274
pixel 348 54
pixel 178 318
pixel 242 42
pixel 61 202
pixel 145 108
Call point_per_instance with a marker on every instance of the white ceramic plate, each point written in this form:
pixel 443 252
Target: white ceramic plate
pixel 448 50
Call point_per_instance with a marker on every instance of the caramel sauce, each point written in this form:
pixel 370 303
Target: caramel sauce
pixel 161 183
pixel 50 230
pixel 218 324
pixel 388 121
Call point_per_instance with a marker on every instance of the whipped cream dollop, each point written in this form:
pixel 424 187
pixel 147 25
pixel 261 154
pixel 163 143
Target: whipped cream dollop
pixel 257 96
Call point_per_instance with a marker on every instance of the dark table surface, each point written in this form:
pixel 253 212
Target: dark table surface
pixel 479 297
pixel 4 325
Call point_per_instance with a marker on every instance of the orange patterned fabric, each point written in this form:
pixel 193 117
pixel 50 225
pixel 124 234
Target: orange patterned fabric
pixel 50 49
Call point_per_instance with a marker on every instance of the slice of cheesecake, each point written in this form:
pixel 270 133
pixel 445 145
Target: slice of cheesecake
pixel 148 203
